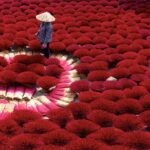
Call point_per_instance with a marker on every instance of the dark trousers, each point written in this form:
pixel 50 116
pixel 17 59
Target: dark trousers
pixel 46 50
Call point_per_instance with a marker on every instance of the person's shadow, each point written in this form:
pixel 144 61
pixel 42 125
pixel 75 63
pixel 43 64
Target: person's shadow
pixel 140 6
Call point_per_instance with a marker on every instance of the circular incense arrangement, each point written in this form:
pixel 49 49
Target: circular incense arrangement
pixel 93 93
pixel 30 81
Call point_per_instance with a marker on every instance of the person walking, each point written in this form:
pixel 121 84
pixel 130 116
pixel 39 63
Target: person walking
pixel 44 35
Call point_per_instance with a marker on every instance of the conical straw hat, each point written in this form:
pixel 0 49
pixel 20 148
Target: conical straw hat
pixel 111 79
pixel 45 17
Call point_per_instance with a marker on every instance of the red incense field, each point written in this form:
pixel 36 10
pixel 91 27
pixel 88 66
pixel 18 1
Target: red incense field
pixel 92 93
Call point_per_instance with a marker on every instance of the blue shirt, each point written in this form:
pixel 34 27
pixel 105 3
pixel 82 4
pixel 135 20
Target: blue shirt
pixel 45 32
